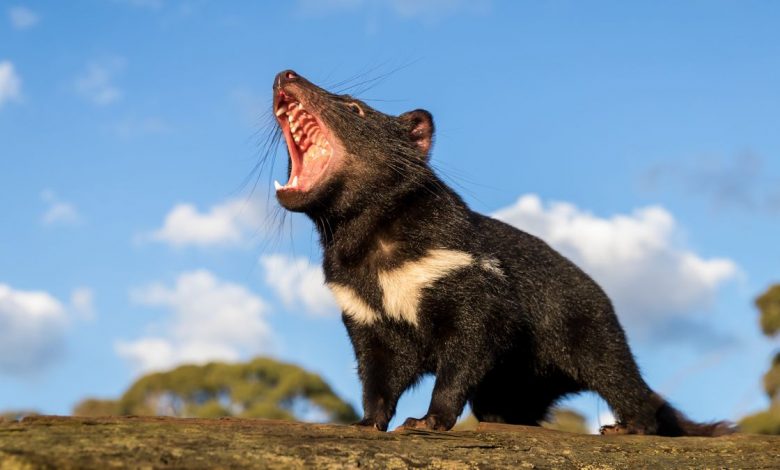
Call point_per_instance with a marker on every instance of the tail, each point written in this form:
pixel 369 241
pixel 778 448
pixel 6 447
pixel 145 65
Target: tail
pixel 671 422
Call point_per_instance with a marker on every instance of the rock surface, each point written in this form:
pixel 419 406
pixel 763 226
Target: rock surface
pixel 64 442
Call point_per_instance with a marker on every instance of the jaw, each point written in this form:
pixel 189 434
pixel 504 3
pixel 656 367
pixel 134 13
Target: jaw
pixel 313 151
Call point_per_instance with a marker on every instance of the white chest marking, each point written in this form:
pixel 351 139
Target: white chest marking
pixel 402 287
pixel 352 305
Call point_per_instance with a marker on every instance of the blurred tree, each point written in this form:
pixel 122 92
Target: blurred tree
pixel 769 305
pixel 467 423
pixel 261 388
pixel 768 422
pixel 16 415
pixel 560 419
pixel 96 407
pixel 563 419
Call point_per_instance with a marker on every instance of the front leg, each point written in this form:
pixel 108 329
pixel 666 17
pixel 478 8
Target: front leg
pixel 385 370
pixel 450 393
pixel 463 361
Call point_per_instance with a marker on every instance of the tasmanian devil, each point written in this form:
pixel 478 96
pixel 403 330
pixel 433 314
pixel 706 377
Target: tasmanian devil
pixel 428 286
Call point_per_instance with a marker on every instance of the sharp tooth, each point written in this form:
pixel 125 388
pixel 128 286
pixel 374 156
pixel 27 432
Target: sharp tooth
pixel 277 185
pixel 295 182
pixel 280 111
pixel 297 138
pixel 293 107
pixel 294 125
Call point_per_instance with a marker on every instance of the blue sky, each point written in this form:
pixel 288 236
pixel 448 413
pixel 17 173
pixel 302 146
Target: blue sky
pixel 638 138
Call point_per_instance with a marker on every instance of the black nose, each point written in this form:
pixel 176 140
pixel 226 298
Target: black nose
pixel 285 76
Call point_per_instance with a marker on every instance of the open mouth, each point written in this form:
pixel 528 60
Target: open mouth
pixel 307 143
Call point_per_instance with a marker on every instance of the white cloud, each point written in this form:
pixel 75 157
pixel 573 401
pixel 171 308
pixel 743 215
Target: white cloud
pixel 96 82
pixel 210 320
pixel 299 284
pixel 635 257
pixel 22 17
pixel 10 83
pixel 32 330
pixel 605 418
pixel 58 212
pixel 82 302
pixel 233 222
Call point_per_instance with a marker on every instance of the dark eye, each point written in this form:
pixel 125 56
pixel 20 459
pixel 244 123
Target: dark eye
pixel 356 108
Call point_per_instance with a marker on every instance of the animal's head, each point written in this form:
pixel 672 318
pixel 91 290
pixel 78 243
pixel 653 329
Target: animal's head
pixel 343 153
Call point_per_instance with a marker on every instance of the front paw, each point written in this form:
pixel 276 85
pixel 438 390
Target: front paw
pixel 368 423
pixel 427 422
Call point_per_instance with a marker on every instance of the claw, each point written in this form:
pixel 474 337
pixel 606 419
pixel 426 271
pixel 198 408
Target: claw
pixel 366 424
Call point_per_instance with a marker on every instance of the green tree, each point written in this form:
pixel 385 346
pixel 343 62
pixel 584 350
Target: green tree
pixel 261 388
pixel 768 422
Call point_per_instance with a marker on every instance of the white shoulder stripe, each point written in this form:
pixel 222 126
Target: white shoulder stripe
pixel 352 305
pixel 402 287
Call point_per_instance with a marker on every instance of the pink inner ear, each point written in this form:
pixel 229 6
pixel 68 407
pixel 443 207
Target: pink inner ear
pixel 421 130
pixel 422 135
pixel 424 144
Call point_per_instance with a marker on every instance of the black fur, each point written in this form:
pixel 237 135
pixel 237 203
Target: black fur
pixel 511 341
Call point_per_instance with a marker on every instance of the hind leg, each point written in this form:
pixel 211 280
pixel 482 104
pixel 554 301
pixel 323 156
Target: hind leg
pixel 599 358
pixel 617 379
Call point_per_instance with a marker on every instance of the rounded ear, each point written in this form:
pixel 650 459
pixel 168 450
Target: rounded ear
pixel 420 125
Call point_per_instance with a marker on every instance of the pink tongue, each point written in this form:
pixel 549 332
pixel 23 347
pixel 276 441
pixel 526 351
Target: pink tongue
pixel 314 167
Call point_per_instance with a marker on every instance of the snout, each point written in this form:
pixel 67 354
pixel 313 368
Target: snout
pixel 284 77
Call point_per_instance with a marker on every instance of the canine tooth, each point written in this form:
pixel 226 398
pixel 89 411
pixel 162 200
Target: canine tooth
pixel 294 125
pixel 295 182
pixel 277 186
pixel 280 111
